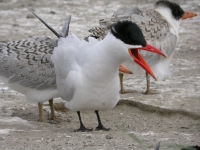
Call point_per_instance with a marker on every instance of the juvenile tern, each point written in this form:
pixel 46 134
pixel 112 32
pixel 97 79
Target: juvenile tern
pixel 160 27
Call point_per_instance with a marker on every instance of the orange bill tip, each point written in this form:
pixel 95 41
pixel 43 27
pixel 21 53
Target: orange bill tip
pixel 188 14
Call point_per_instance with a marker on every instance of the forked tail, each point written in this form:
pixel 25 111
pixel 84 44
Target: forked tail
pixel 65 28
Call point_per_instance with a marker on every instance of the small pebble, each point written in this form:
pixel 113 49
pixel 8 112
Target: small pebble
pixel 69 119
pixel 22 108
pixel 2 138
pixel 89 136
pixel 67 136
pixel 52 12
pixel 109 136
pixel 15 25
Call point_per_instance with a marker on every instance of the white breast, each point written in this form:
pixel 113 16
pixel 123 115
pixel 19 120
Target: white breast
pixel 95 95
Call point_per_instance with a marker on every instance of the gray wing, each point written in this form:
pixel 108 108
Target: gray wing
pixel 154 27
pixel 127 11
pixel 28 62
pixel 157 33
pixel 121 14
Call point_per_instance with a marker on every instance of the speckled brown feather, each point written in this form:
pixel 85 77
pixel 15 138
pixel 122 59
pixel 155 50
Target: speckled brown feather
pixel 28 62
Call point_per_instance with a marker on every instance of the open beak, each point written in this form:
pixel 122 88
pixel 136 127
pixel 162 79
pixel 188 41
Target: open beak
pixel 124 69
pixel 188 15
pixel 134 53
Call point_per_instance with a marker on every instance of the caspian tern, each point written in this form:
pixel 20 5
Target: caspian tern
pixel 26 67
pixel 87 73
pixel 160 27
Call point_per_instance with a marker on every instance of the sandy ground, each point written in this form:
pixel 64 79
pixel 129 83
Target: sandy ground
pixel 139 122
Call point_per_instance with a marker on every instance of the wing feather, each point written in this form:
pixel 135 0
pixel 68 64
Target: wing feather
pixel 28 62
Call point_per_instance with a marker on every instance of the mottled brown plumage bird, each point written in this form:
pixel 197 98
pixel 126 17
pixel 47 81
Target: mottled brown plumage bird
pixel 160 27
pixel 26 67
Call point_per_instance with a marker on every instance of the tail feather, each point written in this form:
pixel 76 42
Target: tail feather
pixel 65 29
pixel 48 26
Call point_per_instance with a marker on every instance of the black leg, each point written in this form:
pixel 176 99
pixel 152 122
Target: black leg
pixel 82 127
pixel 100 126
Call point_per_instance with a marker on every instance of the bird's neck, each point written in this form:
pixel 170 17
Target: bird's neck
pixel 166 13
pixel 105 58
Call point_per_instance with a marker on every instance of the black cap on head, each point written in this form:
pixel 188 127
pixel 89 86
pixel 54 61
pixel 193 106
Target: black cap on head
pixel 128 32
pixel 176 10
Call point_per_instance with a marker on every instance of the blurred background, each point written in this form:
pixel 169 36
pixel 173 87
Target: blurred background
pixel 16 22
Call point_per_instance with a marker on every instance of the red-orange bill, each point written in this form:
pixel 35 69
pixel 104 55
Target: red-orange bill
pixel 188 14
pixel 134 53
pixel 140 61
pixel 150 48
